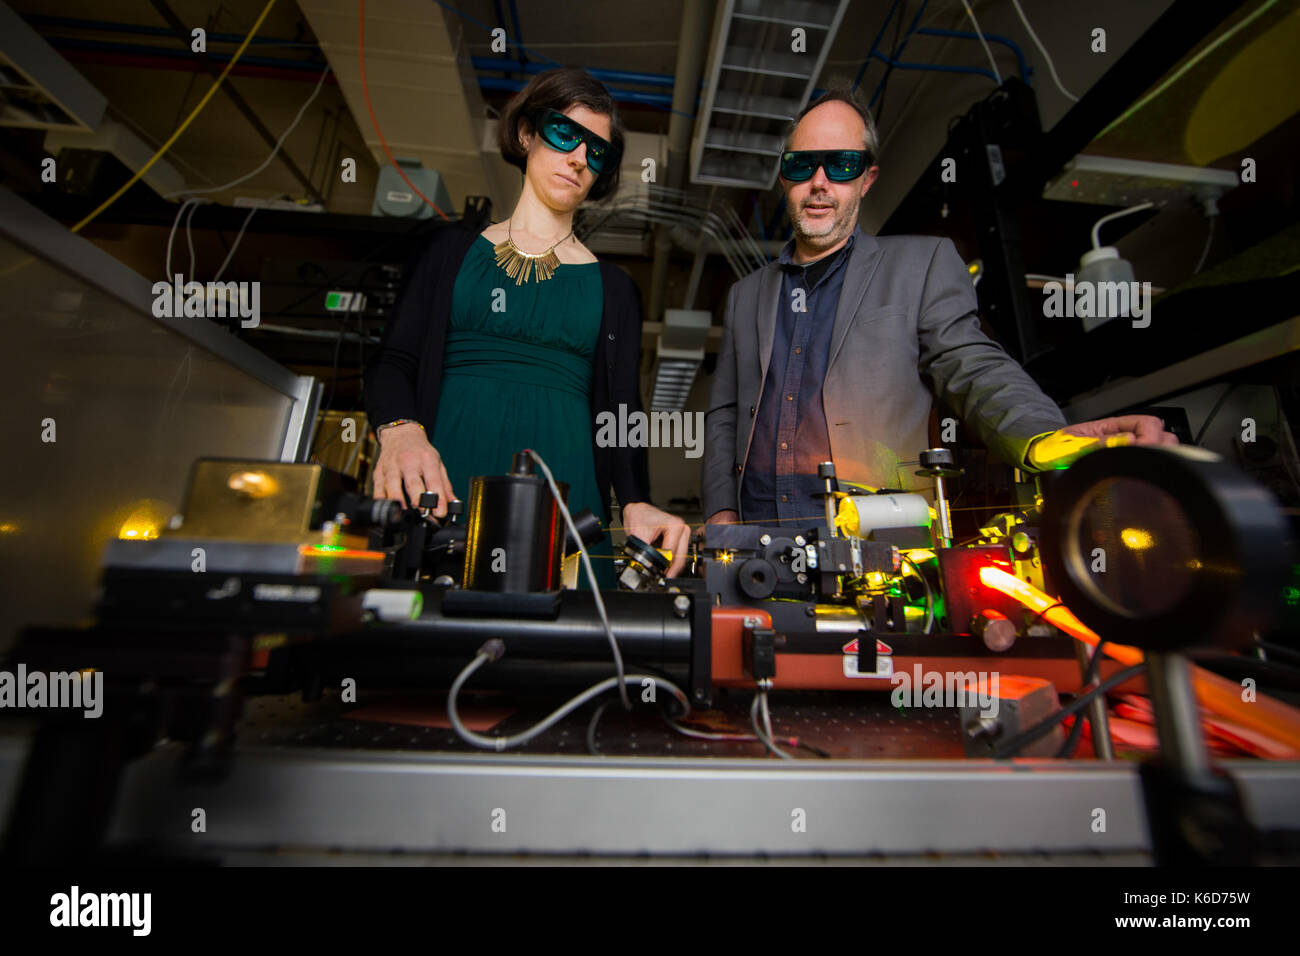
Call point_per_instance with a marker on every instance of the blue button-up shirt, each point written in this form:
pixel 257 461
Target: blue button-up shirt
pixel 790 436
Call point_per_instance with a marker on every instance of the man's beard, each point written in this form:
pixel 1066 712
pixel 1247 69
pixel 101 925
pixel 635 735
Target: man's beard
pixel 825 232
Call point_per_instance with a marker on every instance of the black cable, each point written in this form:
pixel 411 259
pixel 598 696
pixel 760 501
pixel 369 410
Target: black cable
pixel 1213 411
pixel 1279 649
pixel 1010 747
pixel 1076 732
pixel 1034 620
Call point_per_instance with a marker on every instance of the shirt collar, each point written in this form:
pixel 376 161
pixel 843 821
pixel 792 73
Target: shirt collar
pixel 786 259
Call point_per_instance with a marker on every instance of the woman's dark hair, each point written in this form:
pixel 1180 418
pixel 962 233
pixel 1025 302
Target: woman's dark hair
pixel 559 90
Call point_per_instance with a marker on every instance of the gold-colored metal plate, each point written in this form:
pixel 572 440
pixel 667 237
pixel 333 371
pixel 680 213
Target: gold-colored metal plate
pixel 250 500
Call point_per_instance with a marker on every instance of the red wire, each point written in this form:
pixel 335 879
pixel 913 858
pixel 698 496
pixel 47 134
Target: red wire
pixel 365 89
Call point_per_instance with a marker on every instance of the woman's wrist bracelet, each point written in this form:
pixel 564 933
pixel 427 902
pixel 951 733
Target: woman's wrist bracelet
pixel 398 421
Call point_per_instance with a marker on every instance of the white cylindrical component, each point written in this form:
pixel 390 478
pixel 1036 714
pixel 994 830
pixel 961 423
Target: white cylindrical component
pixel 891 511
pixel 393 605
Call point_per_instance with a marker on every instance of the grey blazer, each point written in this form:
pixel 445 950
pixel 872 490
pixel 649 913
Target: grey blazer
pixel 905 332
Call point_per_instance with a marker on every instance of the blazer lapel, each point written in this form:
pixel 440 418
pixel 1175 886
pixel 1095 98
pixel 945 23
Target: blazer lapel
pixel 860 268
pixel 769 291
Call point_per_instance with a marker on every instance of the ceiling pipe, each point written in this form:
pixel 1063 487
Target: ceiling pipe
pixel 697 21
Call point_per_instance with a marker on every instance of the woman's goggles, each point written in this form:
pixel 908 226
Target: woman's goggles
pixel 560 132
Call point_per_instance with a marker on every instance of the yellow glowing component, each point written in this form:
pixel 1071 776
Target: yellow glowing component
pixel 876 579
pixel 140 526
pixel 1195 565
pixel 252 484
pixel 846 517
pixel 1137 539
pixel 725 557
pixel 8 527
pixel 1058 450
pixel 918 555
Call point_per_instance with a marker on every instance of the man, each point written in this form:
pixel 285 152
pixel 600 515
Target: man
pixel 836 351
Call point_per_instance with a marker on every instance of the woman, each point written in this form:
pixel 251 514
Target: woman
pixel 518 337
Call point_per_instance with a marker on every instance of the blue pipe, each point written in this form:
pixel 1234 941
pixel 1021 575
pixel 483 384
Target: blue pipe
pixel 108 46
pixel 480 62
pixel 621 96
pixel 617 76
pixel 874 44
pixel 1025 71
pixel 77 23
pixel 911 28
pixel 938 68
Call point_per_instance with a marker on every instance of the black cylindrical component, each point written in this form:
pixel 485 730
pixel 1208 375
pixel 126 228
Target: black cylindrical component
pixel 647 626
pixel 589 530
pixel 366 512
pixel 515 538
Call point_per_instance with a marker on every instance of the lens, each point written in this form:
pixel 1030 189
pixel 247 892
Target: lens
pixel 797 167
pixel 1136 549
pixel 845 166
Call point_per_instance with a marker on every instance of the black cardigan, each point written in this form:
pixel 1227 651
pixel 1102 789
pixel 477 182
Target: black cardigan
pixel 405 379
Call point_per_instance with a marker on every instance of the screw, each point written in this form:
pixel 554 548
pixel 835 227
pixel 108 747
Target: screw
pixel 798 539
pixel 801 578
pixel 681 604
pixel 765 540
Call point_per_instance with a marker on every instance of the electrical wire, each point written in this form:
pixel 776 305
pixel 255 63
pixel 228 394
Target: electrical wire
pixel 489 652
pixel 760 702
pixel 1051 67
pixel 591 574
pixel 274 150
pixel 235 245
pixel 139 173
pixel 1009 748
pixel 1209 241
pixel 983 42
pixel 929 594
pixel 365 90
pixel 1096 227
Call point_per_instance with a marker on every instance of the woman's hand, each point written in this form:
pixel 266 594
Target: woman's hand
pixel 408 462
pixel 648 523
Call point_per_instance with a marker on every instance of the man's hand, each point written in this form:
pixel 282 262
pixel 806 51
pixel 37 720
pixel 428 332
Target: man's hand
pixel 1066 445
pixel 648 523
pixel 726 516
pixel 408 463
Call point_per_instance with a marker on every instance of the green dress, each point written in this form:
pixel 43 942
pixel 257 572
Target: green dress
pixel 517 374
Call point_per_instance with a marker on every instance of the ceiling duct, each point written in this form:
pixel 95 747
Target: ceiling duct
pixel 422 86
pixel 761 73
pixel 678 356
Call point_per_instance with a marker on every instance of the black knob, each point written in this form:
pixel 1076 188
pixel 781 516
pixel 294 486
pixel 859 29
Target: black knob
pixel 429 499
pixel 455 507
pixel 826 469
pixel 757 578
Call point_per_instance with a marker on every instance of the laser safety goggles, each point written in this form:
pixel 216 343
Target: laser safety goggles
pixel 841 165
pixel 561 133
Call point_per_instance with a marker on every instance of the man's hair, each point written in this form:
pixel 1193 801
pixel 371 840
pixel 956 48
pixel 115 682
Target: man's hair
pixel 844 94
pixel 559 90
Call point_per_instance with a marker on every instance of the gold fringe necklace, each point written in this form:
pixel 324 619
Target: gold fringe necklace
pixel 518 264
